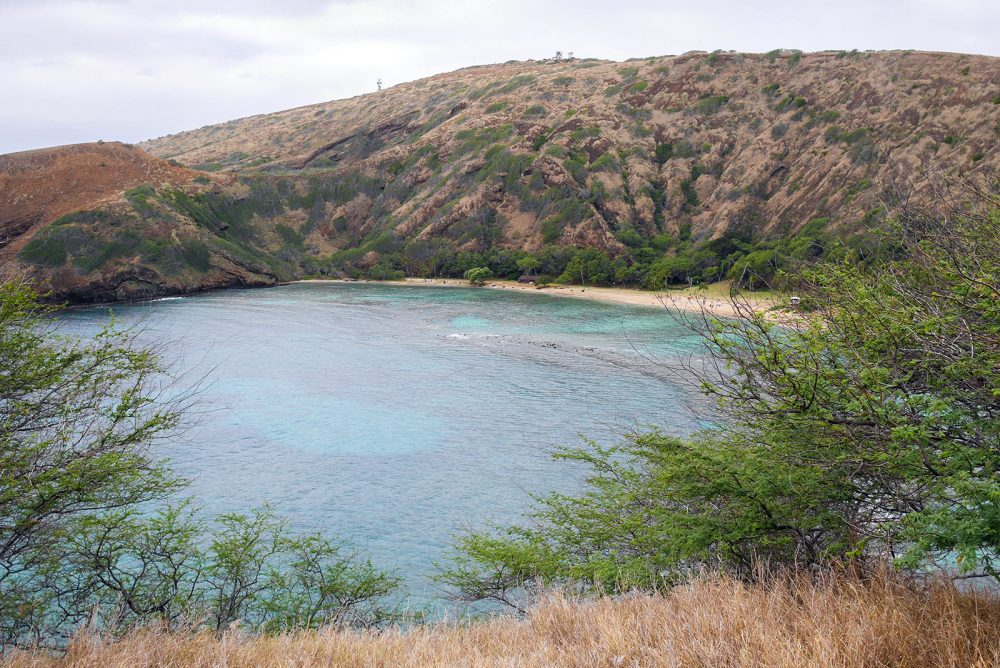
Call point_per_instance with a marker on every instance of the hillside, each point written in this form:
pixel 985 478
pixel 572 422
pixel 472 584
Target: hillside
pixel 75 219
pixel 636 159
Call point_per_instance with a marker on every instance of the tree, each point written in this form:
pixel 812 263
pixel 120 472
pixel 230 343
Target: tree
pixel 588 265
pixel 529 264
pixel 869 432
pixel 478 275
pixel 90 525
pixel 76 421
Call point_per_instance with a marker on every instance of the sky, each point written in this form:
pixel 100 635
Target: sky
pixel 130 70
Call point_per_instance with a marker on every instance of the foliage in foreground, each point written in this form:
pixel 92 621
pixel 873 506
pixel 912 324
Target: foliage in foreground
pixel 868 433
pixel 91 529
pixel 834 621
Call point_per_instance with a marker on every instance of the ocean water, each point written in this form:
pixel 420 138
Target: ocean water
pixel 396 416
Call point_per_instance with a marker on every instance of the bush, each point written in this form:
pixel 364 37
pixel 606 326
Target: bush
pixel 478 275
pixel 44 250
pixel 551 229
pixel 663 152
pixel 196 253
pixel 711 103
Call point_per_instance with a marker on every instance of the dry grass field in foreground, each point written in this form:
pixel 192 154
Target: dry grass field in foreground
pixel 713 622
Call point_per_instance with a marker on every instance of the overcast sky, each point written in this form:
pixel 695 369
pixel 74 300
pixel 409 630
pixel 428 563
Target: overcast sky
pixel 136 69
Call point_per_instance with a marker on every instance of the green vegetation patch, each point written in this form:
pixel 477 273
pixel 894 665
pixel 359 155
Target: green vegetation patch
pixel 44 250
pixel 710 104
pixel 475 140
pixel 628 74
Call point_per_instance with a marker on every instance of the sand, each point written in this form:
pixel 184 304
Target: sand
pixel 712 302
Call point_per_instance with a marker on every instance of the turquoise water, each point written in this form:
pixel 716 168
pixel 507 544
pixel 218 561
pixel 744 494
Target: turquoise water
pixel 394 416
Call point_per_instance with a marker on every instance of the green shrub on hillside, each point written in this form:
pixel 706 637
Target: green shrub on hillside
pixel 710 104
pixel 515 83
pixel 94 253
pixel 790 101
pixel 44 250
pixel 196 253
pixel 628 73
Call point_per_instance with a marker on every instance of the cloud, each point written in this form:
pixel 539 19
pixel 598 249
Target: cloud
pixel 131 69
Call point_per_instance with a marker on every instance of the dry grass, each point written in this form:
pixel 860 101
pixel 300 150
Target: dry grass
pixel 714 622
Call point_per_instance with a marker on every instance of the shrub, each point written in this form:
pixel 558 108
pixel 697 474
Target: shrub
pixel 628 73
pixel 605 162
pixel 710 104
pixel 551 229
pixel 584 132
pixel 515 83
pixel 689 193
pixel 44 250
pixel 290 236
pixel 828 116
pixel 478 275
pixel 790 101
pixel 196 253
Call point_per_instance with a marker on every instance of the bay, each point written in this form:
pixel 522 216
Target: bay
pixel 395 416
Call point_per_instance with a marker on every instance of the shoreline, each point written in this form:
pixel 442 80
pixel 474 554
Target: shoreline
pixel 712 301
pixel 686 299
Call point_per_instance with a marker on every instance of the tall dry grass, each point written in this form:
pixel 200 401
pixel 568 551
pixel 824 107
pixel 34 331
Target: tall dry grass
pixel 717 621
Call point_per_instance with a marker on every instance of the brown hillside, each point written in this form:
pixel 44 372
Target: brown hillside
pixel 75 208
pixel 36 187
pixel 756 124
pixel 644 160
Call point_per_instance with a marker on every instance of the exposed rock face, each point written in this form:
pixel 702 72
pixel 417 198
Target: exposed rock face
pixel 521 154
